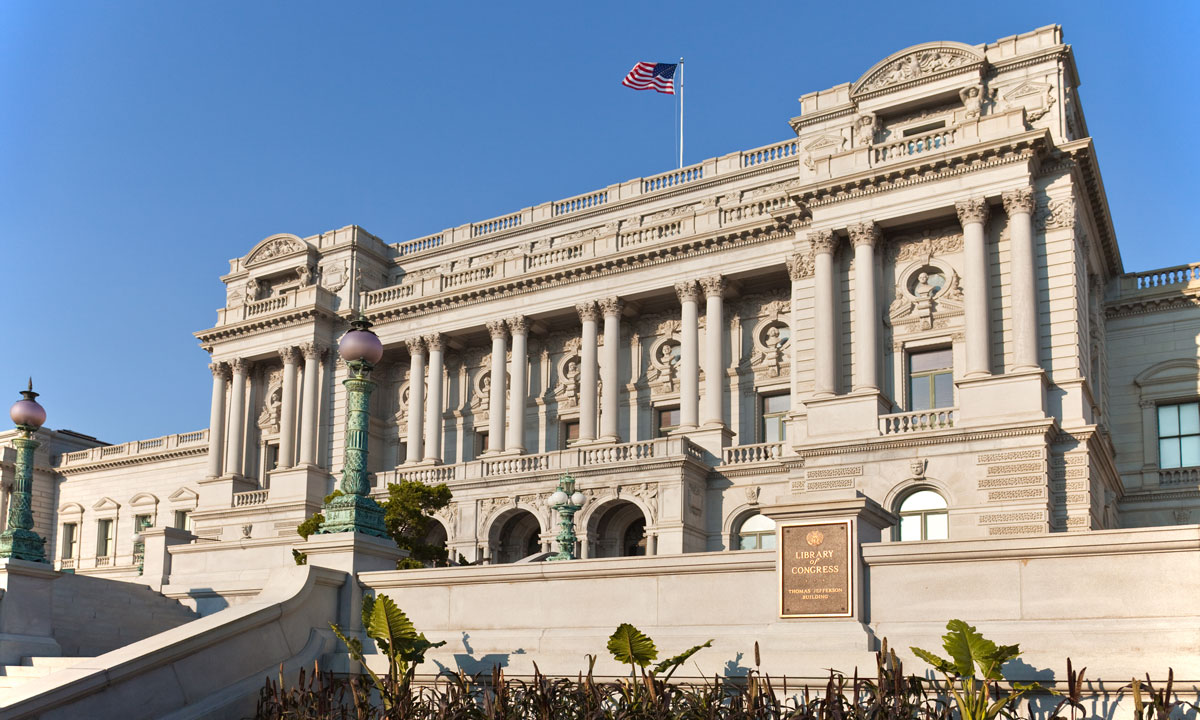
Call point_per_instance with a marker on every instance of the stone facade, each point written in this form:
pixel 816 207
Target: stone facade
pixel 643 337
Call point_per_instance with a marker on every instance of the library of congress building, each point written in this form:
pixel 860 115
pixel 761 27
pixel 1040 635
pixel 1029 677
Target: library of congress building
pixel 910 317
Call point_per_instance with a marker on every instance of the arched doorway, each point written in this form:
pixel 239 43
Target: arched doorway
pixel 437 537
pixel 618 529
pixel 516 534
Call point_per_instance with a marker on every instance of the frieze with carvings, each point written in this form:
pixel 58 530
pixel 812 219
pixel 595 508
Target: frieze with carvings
pixel 917 64
pixel 275 247
pixel 1055 213
pixel 927 243
pixel 335 275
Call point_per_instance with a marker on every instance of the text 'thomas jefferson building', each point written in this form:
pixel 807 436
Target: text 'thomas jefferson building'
pixel 917 298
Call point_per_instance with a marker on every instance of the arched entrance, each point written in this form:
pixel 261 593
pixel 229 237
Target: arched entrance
pixel 515 534
pixel 437 537
pixel 618 529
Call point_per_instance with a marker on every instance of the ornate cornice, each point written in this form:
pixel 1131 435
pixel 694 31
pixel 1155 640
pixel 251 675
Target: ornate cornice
pixel 126 461
pixel 1151 304
pixel 943 438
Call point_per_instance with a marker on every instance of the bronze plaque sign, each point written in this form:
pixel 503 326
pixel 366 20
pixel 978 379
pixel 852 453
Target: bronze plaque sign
pixel 816 572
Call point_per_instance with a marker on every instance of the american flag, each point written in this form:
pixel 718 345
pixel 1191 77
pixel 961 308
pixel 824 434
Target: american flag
pixel 652 76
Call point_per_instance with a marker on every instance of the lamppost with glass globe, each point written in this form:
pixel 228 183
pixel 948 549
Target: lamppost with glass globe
pixel 567 501
pixel 19 541
pixel 354 510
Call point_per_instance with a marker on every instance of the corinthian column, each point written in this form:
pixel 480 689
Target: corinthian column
pixel 514 441
pixel 587 372
pixel 308 406
pixel 825 357
pixel 973 215
pixel 287 413
pixel 216 418
pixel 499 332
pixel 416 398
pixel 611 390
pixel 714 370
pixel 689 354
pixel 1019 206
pixel 865 236
pixel 433 403
pixel 237 414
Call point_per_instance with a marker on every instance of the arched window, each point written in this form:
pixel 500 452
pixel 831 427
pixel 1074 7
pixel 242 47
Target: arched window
pixel 923 517
pixel 756 533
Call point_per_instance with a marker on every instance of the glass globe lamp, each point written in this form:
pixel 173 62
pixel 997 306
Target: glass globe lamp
pixel 27 413
pixel 359 344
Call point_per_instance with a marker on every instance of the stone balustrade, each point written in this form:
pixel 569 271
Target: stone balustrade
pixel 250 498
pixel 932 142
pixel 1173 278
pixel 136 448
pixel 919 421
pixel 1179 475
pixel 287 300
pixel 756 453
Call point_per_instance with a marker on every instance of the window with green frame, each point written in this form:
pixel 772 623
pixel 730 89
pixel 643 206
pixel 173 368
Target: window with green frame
pixel 930 379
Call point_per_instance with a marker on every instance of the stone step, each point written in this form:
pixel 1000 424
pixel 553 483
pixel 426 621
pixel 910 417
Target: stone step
pixel 14 676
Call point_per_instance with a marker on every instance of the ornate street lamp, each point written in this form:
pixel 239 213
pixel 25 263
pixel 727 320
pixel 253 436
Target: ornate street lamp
pixel 567 501
pixel 19 540
pixel 355 510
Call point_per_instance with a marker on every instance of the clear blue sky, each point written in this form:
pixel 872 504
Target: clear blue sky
pixel 143 144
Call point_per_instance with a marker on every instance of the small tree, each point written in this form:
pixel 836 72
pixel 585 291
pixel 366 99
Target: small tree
pixel 407 516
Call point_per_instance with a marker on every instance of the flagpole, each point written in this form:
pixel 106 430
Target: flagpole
pixel 681 113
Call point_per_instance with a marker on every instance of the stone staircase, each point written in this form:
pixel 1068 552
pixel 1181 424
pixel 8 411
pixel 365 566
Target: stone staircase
pixel 14 676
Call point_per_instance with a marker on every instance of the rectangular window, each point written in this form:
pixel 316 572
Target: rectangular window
pixel 272 457
pixel 141 522
pixel 1179 435
pixel 668 420
pixel 104 538
pixel 775 409
pixel 68 540
pixel 570 432
pixel 481 443
pixel 930 379
pixel 183 520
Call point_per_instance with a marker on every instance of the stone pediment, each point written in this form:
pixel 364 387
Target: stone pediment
pixel 919 62
pixel 275 247
pixel 106 504
pixel 184 496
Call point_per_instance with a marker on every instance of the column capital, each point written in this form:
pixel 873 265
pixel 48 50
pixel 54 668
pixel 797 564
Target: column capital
pixel 587 311
pixel 518 325
pixel 312 350
pixel 435 341
pixel 289 355
pixel 972 210
pixel 219 369
pixel 416 345
pixel 864 233
pixel 1019 200
pixel 800 266
pixel 497 328
pixel 611 306
pixel 687 291
pixel 239 366
pixel 822 241
pixel 713 285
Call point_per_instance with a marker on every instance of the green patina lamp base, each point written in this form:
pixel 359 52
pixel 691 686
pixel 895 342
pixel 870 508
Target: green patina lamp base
pixel 22 545
pixel 354 513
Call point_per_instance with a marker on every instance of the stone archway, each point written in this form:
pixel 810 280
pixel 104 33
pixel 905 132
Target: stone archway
pixel 514 535
pixel 617 529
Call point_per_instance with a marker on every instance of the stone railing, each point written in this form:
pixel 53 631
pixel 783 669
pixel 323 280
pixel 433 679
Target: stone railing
pixel 1168 279
pixel 1179 475
pixel 137 448
pixel 66 563
pixel 415 246
pixel 387 295
pixel 581 202
pixel 249 498
pixel 770 153
pixel 104 561
pixel 673 178
pixel 584 456
pixel 932 142
pixel 289 299
pixel 920 421
pixel 756 453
